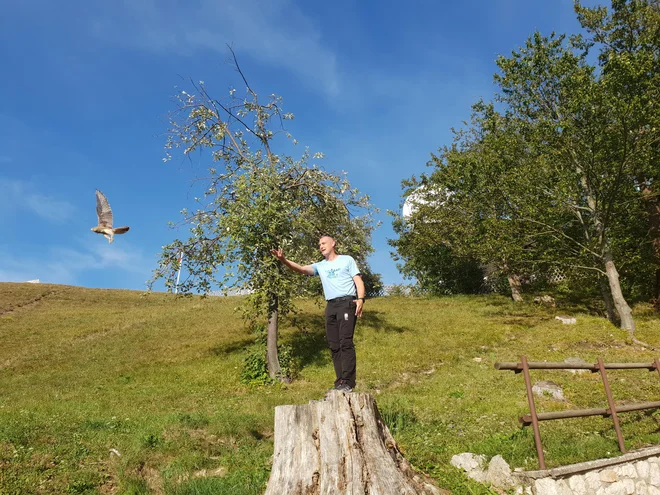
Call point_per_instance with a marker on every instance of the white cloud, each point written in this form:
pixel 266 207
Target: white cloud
pixel 77 266
pixel 125 257
pixel 17 195
pixel 21 269
pixel 274 32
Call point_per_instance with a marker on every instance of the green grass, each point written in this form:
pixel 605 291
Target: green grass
pixel 86 374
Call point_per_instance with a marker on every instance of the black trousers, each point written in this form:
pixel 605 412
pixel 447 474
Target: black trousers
pixel 340 322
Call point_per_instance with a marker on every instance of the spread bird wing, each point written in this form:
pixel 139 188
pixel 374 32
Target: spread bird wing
pixel 103 210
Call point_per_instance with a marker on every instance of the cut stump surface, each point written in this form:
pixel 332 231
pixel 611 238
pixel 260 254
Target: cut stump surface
pixel 340 446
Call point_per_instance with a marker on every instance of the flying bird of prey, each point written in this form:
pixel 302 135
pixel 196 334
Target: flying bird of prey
pixel 104 212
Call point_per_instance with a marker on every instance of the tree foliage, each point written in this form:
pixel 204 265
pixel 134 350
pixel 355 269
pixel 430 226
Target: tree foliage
pixel 628 39
pixel 565 171
pixel 254 200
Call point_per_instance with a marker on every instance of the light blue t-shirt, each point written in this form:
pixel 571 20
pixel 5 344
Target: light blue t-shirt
pixel 337 276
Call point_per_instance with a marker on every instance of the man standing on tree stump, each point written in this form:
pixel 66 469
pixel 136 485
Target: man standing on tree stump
pixel 344 292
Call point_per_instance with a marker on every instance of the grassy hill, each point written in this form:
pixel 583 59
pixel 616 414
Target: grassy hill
pixel 107 391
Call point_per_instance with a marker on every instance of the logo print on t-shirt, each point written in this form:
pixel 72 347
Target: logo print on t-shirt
pixel 332 272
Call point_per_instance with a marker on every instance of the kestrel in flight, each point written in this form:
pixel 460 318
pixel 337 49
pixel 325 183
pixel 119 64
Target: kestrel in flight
pixel 104 213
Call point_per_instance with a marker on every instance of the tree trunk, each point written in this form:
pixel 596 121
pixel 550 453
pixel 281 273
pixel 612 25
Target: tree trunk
pixel 622 308
pixel 607 298
pixel 652 202
pixel 272 359
pixel 514 283
pixel 340 446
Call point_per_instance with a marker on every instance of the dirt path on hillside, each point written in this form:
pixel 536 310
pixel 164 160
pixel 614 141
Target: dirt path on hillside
pixel 26 304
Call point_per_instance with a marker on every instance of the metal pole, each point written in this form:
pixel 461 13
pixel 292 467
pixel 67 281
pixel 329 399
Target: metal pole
pixel 532 410
pixel 176 287
pixel 612 407
pixel 567 366
pixel 580 413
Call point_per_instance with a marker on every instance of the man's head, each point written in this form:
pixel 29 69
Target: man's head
pixel 327 246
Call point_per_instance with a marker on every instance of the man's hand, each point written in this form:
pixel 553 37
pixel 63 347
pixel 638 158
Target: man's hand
pixel 358 307
pixel 278 254
pixel 305 270
pixel 359 285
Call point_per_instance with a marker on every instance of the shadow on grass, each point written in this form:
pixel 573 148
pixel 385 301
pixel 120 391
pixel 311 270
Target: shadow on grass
pixel 231 347
pixel 375 320
pixel 308 342
pixel 571 303
pixel 528 322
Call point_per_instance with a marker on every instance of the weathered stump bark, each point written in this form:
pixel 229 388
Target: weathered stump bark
pixel 339 446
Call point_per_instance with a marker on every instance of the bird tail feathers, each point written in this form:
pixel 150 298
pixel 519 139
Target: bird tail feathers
pixel 121 230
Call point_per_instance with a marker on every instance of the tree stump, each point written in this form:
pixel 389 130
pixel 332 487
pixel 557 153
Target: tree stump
pixel 340 446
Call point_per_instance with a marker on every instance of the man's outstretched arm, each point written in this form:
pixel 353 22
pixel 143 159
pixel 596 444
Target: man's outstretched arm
pixel 305 270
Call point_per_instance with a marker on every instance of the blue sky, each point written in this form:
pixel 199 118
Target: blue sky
pixel 86 88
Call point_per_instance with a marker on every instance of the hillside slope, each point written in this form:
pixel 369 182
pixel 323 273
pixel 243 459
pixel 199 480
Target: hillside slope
pixel 108 391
